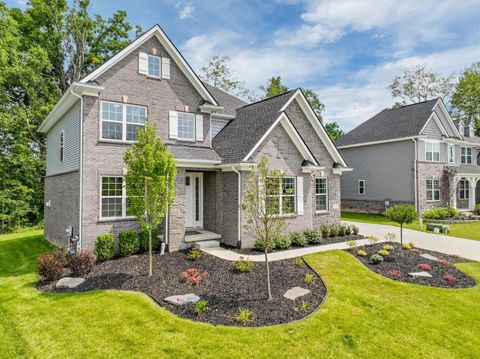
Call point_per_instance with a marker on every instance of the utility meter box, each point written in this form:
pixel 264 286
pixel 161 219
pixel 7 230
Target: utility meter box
pixel 69 231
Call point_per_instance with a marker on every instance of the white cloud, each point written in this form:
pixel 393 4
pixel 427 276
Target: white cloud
pixel 307 36
pixel 187 11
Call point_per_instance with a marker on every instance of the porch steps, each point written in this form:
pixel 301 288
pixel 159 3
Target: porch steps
pixel 206 244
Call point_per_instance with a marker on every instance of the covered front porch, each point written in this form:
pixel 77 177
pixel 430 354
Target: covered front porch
pixel 467 194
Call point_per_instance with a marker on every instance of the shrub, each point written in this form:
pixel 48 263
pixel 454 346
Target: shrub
pixel 477 209
pixel 352 243
pixel 312 236
pixel 355 229
pixel 407 246
pixel 194 254
pixel 81 263
pixel 50 265
pixel 383 252
pixel 143 240
pixel 450 278
pixel 324 231
pixel 362 253
pixel 341 230
pixel 333 230
pixel 388 247
pixel 128 243
pixel 244 316
pixel 260 245
pixel 200 307
pixel 283 242
pixel 298 239
pixel 348 230
pixel 425 267
pixel 372 239
pixel 389 237
pixel 243 265
pixel 443 261
pixel 440 213
pixel 394 273
pixel 104 247
pixel 299 261
pixel 309 278
pixel 376 258
pixel 194 276
pixel 411 244
pixel 305 307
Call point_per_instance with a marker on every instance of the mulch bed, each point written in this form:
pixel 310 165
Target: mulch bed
pixel 225 290
pixel 328 240
pixel 409 263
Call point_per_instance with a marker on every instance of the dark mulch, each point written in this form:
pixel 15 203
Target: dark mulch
pixel 225 290
pixel 328 240
pixel 410 262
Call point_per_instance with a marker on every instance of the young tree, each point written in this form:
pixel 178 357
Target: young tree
pixel 466 98
pixel 150 179
pixel 273 87
pixel 448 187
pixel 419 85
pixel 402 214
pixel 334 131
pixel 317 105
pixel 261 206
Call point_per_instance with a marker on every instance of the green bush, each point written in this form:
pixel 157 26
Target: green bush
pixel 312 236
pixel 260 245
pixel 283 242
pixel 143 238
pixel 355 229
pixel 298 239
pixel 383 252
pixel 128 243
pixel 194 254
pixel 388 247
pixel 477 209
pixel 104 247
pixel 244 316
pixel 309 278
pixel 440 213
pixel 200 307
pixel 348 230
pixel 362 253
pixel 333 230
pixel 243 265
pixel 376 258
pixel 341 230
pixel 324 230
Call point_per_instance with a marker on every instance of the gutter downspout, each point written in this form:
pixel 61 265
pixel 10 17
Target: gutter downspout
pixel 415 189
pixel 80 210
pixel 239 235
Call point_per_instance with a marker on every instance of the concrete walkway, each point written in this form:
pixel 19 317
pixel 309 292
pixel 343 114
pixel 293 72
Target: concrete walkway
pixel 466 248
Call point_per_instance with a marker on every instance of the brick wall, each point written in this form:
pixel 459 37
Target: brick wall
pixel 428 170
pixel 367 206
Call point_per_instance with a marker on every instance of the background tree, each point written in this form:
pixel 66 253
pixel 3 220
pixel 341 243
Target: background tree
pixel 466 97
pixel 273 87
pixel 334 131
pixel 317 105
pixel 419 85
pixel 261 211
pixel 150 179
pixel 402 214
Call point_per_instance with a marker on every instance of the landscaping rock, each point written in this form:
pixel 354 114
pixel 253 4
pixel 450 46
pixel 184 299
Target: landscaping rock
pixel 295 292
pixel 69 283
pixel 420 274
pixel 428 256
pixel 183 299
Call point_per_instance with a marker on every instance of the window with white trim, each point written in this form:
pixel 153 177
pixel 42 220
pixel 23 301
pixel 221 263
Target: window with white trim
pixel 62 144
pixel 451 153
pixel 154 66
pixel 321 194
pixel 361 187
pixel 432 151
pixel 113 197
pixel 281 195
pixel 433 190
pixel 121 121
pixel 464 189
pixel 186 126
pixel 466 155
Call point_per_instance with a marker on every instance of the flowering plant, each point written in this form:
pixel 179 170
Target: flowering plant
pixel 443 261
pixel 449 278
pixel 425 266
pixel 194 276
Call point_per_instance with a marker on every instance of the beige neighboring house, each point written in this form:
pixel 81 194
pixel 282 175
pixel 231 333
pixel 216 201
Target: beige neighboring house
pixel 215 138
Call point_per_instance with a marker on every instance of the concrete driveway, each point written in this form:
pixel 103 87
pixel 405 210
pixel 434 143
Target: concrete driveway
pixel 466 248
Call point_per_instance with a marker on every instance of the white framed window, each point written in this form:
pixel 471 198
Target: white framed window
pixel 432 151
pixel 433 190
pixel 113 197
pixel 120 122
pixel 154 63
pixel 466 155
pixel 464 189
pixel 62 145
pixel 451 153
pixel 361 187
pixel 186 126
pixel 321 194
pixel 281 196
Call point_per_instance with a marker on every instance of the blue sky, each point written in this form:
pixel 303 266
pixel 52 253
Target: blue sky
pixel 346 50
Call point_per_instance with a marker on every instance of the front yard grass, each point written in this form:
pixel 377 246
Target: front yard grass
pixel 461 230
pixel 364 315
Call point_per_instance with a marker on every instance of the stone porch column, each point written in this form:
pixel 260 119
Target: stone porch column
pixel 473 186
pixel 455 191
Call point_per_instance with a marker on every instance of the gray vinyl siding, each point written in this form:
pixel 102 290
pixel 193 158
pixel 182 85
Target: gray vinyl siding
pixel 432 131
pixel 217 126
pixel 386 168
pixel 70 124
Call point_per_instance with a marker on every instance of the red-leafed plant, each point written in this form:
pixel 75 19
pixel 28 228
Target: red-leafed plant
pixel 416 250
pixel 50 265
pixel 443 261
pixel 395 273
pixel 450 278
pixel 194 276
pixel 81 263
pixel 456 256
pixel 424 266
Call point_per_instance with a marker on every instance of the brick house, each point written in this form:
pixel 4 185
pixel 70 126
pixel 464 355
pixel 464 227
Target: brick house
pixel 214 137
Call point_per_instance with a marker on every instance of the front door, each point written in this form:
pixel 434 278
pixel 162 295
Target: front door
pixel 193 200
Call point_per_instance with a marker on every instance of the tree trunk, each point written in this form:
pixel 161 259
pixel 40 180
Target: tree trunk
pixel 268 273
pixel 401 238
pixel 150 252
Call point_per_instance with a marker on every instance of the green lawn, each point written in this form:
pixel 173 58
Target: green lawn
pixel 462 230
pixel 364 315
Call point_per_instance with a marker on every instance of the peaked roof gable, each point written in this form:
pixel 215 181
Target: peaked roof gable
pixel 172 51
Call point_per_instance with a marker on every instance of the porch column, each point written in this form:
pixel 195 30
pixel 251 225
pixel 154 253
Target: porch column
pixel 471 199
pixel 455 188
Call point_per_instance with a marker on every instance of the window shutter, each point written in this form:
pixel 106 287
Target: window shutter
pixel 142 63
pixel 165 68
pixel 173 123
pixel 300 195
pixel 199 127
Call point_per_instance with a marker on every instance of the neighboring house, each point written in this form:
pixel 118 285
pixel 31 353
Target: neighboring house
pixel 214 137
pixel 399 156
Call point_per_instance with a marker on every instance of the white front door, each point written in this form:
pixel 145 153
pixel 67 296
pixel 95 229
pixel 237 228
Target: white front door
pixel 193 200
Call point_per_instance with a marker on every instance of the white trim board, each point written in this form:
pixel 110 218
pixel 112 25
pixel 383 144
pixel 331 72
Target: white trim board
pixel 448 117
pixel 381 141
